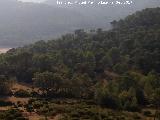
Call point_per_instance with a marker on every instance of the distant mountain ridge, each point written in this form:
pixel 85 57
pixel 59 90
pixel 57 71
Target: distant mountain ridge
pixel 21 23
pixel 24 23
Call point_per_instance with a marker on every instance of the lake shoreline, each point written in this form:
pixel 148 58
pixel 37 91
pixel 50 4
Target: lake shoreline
pixel 4 50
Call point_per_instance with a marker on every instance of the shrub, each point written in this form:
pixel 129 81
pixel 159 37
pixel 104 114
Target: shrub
pixel 37 104
pixel 22 93
pixel 5 103
pixel 147 113
pixel 12 114
pixel 136 117
pixel 34 94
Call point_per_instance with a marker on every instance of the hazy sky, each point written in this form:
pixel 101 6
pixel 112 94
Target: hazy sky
pixel 38 1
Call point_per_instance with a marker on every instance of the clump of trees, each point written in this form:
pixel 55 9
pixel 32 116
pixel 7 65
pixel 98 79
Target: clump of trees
pixel 53 84
pixel 5 85
pixel 129 91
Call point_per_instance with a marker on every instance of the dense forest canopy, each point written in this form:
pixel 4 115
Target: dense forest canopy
pixel 119 68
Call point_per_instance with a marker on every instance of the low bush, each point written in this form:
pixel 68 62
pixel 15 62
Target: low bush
pixel 12 114
pixel 5 103
pixel 22 93
pixel 147 113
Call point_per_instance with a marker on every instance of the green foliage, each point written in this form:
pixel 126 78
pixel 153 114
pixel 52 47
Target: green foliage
pixel 12 114
pixel 119 67
pixel 4 85
pixel 147 113
pixel 22 93
pixel 5 103
pixel 104 97
pixel 70 109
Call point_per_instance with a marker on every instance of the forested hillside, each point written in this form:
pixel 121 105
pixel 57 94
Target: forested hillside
pixel 118 68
